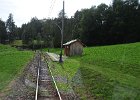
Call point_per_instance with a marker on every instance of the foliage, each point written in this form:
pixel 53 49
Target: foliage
pixel 117 23
pixel 10 27
pixel 47 30
pixel 3 34
pixel 98 25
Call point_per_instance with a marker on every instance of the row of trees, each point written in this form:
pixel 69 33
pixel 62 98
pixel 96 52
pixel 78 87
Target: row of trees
pixel 36 33
pixel 46 32
pixel 101 25
pixel 2 32
pixel 8 30
pixel 117 23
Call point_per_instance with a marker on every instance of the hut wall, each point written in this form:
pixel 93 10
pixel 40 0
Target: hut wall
pixel 76 49
pixel 67 50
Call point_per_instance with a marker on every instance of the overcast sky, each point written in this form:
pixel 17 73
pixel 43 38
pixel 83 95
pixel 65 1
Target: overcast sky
pixel 24 10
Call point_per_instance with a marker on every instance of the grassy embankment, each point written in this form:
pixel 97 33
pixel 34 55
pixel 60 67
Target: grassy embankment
pixel 12 62
pixel 107 72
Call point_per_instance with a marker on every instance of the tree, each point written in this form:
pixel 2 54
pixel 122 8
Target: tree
pixel 18 33
pixel 3 34
pixel 101 25
pixel 76 31
pixel 10 27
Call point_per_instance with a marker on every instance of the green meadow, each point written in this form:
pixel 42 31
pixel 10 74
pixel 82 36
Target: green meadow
pixel 12 63
pixel 106 72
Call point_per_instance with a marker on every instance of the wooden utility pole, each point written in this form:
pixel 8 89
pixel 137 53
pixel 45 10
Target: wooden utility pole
pixel 62 32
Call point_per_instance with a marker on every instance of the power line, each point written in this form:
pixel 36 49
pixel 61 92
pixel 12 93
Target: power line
pixel 51 7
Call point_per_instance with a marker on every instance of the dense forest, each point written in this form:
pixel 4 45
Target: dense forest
pixel 98 25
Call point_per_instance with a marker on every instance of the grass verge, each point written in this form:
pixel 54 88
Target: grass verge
pixel 12 62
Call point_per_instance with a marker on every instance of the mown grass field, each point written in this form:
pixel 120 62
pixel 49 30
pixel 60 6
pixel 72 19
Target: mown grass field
pixel 106 72
pixel 17 43
pixel 53 50
pixel 12 63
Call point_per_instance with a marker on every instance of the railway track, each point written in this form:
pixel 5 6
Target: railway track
pixel 46 88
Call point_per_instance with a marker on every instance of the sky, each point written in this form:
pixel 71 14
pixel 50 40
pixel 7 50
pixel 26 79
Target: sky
pixel 24 10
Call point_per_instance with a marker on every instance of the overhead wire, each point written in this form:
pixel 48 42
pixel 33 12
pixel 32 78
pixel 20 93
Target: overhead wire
pixel 51 7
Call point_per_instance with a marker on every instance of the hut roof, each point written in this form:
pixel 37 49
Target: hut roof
pixel 72 41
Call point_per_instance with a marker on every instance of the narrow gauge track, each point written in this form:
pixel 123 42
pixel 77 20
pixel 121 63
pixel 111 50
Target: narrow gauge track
pixel 46 88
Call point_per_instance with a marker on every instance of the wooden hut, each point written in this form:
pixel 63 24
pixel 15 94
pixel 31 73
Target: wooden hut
pixel 73 47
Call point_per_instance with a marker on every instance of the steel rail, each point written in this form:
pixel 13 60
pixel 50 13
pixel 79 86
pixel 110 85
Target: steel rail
pixel 36 95
pixel 37 85
pixel 54 82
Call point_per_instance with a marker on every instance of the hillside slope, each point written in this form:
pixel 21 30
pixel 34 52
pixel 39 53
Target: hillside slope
pixel 12 62
pixel 106 72
pixel 112 71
